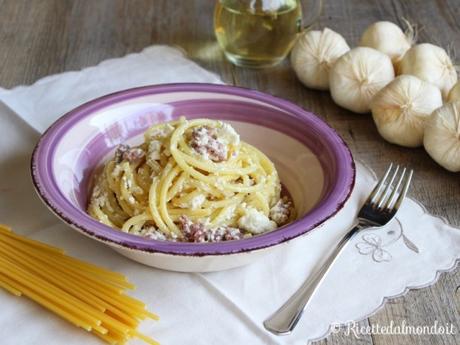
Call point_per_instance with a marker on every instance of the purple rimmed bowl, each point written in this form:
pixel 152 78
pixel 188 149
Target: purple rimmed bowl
pixel 313 162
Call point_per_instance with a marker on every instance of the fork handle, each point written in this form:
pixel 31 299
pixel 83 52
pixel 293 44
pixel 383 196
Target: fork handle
pixel 284 320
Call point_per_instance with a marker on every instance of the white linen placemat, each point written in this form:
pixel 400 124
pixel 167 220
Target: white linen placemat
pixel 215 308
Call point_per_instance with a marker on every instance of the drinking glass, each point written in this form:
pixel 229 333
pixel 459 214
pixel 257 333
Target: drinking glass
pixel 260 33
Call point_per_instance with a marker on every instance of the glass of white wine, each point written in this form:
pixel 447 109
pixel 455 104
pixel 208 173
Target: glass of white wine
pixel 260 33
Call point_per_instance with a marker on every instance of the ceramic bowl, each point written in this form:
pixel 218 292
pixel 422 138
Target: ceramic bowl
pixel 313 162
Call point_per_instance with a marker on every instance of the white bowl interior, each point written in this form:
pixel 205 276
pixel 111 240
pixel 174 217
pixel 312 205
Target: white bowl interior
pixel 298 167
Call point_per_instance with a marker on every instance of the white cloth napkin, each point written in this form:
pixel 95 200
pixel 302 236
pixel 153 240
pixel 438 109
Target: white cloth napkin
pixel 42 103
pixel 216 308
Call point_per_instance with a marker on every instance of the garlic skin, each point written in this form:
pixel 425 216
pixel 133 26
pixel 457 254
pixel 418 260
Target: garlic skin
pixel 313 55
pixel 357 76
pixel 432 64
pixel 387 38
pixel 442 136
pixel 454 94
pixel 401 109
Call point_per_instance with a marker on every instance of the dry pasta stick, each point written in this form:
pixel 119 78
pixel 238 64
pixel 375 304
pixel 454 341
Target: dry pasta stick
pixel 89 281
pixel 45 303
pixel 48 291
pixel 9 288
pixel 7 232
pixel 94 268
pixel 75 289
pixel 84 294
pixel 58 264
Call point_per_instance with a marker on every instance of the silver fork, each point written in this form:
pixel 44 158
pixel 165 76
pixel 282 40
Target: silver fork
pixel 379 208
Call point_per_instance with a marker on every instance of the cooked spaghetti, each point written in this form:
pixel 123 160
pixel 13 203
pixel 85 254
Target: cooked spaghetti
pixel 190 180
pixel 86 295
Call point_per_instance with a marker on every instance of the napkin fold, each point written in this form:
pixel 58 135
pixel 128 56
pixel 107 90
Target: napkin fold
pixel 223 307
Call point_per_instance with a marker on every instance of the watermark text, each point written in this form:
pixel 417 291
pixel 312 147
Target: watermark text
pixel 402 328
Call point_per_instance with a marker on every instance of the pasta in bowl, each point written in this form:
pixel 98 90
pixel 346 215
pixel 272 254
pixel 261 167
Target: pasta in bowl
pixel 192 181
pixel 290 147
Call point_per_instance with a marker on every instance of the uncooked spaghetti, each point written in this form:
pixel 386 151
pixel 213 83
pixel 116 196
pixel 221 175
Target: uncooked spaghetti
pixel 88 296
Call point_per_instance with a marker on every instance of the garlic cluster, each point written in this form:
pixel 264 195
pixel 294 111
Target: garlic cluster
pixel 401 108
pixel 408 110
pixel 454 94
pixel 389 39
pixel 442 136
pixel 432 64
pixel 314 54
pixel 357 76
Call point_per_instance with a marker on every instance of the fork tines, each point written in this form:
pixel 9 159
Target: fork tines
pixel 387 195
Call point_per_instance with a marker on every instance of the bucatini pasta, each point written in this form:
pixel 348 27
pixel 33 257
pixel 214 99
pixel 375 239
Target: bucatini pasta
pixel 190 180
pixel 88 296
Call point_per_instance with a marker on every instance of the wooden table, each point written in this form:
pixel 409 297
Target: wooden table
pixel 42 37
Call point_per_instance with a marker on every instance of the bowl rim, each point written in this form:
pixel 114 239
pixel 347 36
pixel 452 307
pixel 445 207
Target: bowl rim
pixel 49 193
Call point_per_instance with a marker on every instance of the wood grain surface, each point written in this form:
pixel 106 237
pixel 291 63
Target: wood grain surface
pixel 42 37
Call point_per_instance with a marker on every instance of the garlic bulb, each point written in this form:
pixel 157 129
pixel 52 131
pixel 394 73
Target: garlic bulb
pixel 442 136
pixel 432 64
pixel 389 39
pixel 357 76
pixel 313 55
pixel 454 94
pixel 401 109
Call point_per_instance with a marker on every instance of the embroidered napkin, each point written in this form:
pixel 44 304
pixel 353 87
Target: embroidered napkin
pixel 224 307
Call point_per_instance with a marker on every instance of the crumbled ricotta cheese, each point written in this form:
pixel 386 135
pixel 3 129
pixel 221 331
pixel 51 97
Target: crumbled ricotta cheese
pixel 281 211
pixel 116 170
pixel 220 184
pixel 138 190
pixel 255 222
pixel 154 150
pixel 156 235
pixel 126 182
pixel 150 232
pixel 197 201
pixel 109 207
pixel 228 214
pixel 162 131
pixel 153 156
pixel 226 134
pixel 101 200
